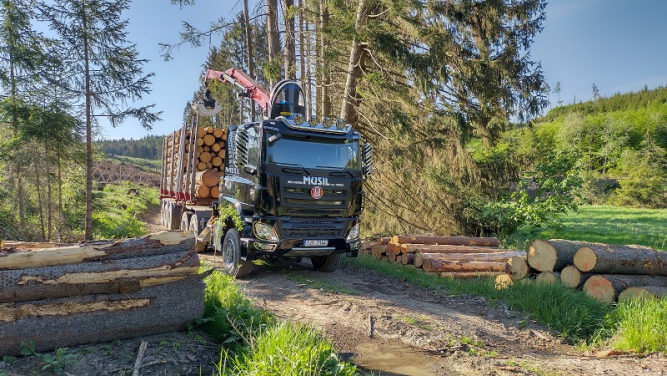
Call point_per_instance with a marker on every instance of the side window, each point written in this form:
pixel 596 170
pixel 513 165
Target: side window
pixel 253 147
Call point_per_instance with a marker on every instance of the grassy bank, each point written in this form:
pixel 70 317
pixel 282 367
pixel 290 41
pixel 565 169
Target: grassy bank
pixel 256 343
pixel 639 326
pixel 118 207
pixel 604 224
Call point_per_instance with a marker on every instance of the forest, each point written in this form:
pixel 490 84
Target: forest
pixel 446 92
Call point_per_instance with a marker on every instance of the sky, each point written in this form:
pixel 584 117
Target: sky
pixel 618 45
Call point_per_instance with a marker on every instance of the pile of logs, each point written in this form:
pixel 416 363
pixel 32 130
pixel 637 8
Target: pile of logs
pixel 452 256
pixel 65 295
pixel 606 272
pixel 210 148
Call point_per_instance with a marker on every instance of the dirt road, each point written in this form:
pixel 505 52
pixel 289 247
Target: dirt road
pixel 420 332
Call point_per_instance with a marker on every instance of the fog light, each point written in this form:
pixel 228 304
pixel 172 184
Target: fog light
pixel 354 233
pixel 265 232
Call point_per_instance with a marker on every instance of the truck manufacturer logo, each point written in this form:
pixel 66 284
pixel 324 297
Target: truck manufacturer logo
pixel 316 192
pixel 315 180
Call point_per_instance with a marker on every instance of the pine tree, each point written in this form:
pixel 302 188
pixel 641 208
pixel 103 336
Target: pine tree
pixel 104 66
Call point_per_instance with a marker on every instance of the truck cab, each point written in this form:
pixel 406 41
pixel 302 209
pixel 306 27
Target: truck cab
pixel 290 189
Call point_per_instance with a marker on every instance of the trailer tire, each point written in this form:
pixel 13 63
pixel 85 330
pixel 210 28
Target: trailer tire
pixel 328 263
pixel 185 221
pixel 232 263
pixel 195 230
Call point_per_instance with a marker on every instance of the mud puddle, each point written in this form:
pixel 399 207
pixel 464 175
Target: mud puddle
pixel 392 359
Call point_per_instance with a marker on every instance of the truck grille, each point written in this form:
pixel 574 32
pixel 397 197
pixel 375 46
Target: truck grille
pixel 312 227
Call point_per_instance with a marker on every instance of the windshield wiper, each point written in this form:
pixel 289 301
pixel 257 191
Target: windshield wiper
pixel 285 170
pixel 341 170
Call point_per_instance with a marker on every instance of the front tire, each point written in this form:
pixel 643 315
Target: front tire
pixel 232 263
pixel 328 263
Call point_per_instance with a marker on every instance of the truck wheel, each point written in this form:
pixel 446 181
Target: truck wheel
pixel 328 263
pixel 232 263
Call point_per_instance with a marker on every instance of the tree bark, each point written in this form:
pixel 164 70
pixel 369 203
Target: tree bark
pixel 101 317
pixel 644 292
pixel 290 45
pixel 468 275
pixel 620 259
pixel 431 264
pixel 251 63
pixel 552 255
pixel 272 32
pixel 571 277
pixel 378 250
pixel 444 248
pixel 351 99
pixel 407 258
pixel 88 227
pixel 446 240
pixel 154 244
pixel 606 287
pixel 325 101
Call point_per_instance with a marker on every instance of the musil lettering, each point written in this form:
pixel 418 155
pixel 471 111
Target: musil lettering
pixel 315 180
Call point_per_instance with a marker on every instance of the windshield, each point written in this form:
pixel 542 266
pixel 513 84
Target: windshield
pixel 314 152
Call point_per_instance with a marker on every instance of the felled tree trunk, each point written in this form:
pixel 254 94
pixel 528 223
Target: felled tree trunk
pixel 517 267
pixel 449 240
pixel 552 255
pixel 573 278
pixel 620 259
pixel 547 278
pixel 439 265
pixel 644 292
pixel 445 248
pixel 606 287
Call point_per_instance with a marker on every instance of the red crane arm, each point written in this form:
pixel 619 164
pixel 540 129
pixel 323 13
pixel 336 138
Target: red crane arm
pixel 251 88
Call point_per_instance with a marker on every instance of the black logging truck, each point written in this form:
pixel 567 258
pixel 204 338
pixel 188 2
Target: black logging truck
pixel 284 187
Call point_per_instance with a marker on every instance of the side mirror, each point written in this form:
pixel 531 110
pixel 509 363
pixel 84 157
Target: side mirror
pixel 367 158
pixel 241 148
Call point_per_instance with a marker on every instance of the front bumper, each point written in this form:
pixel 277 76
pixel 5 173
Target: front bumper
pixel 295 248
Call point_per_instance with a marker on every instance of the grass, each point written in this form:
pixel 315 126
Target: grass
pixel 603 224
pixel 256 343
pixel 576 316
pixel 146 164
pixel 640 325
pixel 117 208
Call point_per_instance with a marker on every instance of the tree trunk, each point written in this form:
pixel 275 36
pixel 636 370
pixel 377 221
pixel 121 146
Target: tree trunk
pixel 350 105
pixel 620 259
pixel 644 292
pixel 547 278
pixel 272 33
pixel 384 240
pixel 606 287
pixel 60 197
pixel 325 101
pixel 207 177
pixel 446 240
pixel 432 248
pixel 378 250
pixel 83 319
pixel 517 267
pixel 407 258
pixel 467 275
pixel 251 63
pixel 571 277
pixel 154 244
pixel 49 198
pixel 434 264
pixel 552 255
pixel 88 228
pixel 290 48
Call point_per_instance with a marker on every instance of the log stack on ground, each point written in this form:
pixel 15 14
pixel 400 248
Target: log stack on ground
pixel 98 291
pixel 607 287
pixel 552 255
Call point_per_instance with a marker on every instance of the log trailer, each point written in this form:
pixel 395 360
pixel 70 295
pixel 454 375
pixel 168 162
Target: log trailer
pixel 287 187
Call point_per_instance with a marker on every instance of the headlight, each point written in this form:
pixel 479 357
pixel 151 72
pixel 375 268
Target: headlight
pixel 354 233
pixel 265 232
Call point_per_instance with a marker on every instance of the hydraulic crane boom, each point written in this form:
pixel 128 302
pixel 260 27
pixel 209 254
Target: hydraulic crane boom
pixel 251 89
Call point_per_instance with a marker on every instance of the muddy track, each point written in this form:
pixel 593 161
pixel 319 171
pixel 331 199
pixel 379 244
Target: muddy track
pixel 421 332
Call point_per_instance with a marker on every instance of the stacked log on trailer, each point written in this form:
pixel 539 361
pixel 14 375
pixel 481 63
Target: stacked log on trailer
pixel 447 256
pixel 65 295
pixel 603 271
pixel 203 153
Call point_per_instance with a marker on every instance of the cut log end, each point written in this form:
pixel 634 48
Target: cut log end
pixel 517 267
pixel 504 281
pixel 585 259
pixel 546 278
pixel 600 288
pixel 542 255
pixel 643 292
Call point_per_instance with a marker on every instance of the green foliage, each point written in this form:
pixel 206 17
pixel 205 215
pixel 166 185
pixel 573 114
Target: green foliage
pixel 147 147
pixel 117 209
pixel 604 224
pixel 639 325
pixel 55 362
pixel 255 343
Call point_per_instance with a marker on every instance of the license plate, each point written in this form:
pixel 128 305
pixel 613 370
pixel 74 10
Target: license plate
pixel 315 243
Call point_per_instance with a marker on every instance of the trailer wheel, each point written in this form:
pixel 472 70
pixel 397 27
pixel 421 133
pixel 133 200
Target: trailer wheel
pixel 194 228
pixel 328 263
pixel 185 221
pixel 232 263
